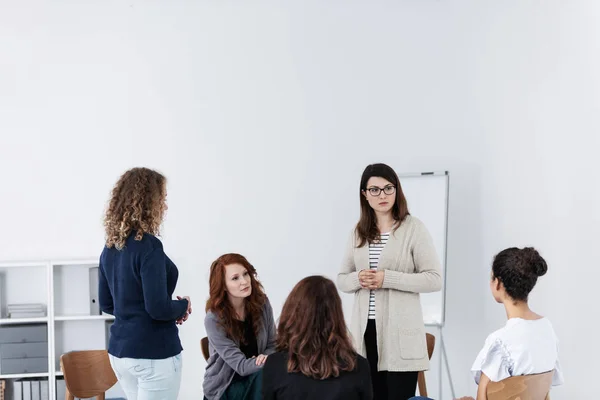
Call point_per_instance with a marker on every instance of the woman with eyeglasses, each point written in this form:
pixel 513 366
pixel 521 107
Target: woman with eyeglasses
pixel 390 259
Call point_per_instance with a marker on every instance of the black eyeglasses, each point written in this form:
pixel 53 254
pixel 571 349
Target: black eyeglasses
pixel 376 191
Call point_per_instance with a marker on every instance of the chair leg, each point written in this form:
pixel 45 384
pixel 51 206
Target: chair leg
pixel 422 385
pixel 68 395
pixel 101 396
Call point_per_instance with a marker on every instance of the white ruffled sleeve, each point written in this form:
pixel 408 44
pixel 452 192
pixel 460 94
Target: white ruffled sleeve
pixel 493 360
pixel 557 378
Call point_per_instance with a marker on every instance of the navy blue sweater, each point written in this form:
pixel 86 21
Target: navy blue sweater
pixel 136 285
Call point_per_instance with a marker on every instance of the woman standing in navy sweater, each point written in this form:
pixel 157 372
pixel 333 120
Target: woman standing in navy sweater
pixel 136 285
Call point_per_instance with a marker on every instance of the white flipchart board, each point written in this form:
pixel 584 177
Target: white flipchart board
pixel 427 197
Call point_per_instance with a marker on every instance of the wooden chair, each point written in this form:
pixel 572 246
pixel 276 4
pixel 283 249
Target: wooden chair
pixel 87 374
pixel 421 377
pixel 204 347
pixel 526 387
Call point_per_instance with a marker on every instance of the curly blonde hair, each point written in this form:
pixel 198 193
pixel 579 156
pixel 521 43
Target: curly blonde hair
pixel 137 203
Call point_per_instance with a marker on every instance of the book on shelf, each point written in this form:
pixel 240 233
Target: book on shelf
pixel 26 310
pixel 26 307
pixel 17 390
pixel 3 311
pixel 15 315
pixel 44 390
pixel 26 390
pixel 31 389
pixel 61 389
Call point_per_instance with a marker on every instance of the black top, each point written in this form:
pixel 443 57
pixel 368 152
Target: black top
pixel 282 385
pixel 249 346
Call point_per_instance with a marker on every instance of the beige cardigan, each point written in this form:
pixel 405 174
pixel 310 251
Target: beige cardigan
pixel 411 266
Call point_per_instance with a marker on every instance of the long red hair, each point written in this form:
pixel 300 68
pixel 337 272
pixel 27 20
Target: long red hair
pixel 219 303
pixel 313 332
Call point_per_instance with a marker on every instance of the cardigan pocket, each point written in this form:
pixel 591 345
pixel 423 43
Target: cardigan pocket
pixel 413 345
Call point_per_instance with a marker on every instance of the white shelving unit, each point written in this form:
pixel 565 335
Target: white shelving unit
pixel 63 286
pixel 84 318
pixel 21 376
pixel 15 321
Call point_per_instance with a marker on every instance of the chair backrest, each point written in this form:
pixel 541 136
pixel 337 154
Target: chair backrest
pixel 526 387
pixel 430 344
pixel 421 377
pixel 204 347
pixel 87 373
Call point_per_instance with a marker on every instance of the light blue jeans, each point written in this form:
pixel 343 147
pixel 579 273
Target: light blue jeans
pixel 143 379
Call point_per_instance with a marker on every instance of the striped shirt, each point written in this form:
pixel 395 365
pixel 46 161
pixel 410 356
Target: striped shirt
pixel 374 253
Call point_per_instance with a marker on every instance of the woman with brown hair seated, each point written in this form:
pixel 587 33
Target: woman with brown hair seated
pixel 240 328
pixel 315 358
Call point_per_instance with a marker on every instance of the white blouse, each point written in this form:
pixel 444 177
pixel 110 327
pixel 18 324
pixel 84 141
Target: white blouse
pixel 522 347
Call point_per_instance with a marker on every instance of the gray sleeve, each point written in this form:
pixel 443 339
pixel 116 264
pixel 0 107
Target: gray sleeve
pixel 347 279
pixel 227 349
pixel 271 332
pixel 427 277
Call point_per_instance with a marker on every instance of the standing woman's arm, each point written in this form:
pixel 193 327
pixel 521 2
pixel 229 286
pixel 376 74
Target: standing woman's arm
pixel 427 276
pixel 347 279
pixel 157 302
pixel 105 298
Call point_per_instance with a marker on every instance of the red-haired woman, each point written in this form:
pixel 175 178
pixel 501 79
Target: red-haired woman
pixel 240 328
pixel 315 358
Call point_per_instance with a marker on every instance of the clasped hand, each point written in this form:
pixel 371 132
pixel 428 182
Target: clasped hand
pixel 371 279
pixel 187 312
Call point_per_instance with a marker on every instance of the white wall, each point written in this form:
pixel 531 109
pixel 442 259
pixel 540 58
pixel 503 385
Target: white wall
pixel 263 115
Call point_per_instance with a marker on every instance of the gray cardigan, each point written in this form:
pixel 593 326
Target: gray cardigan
pixel 411 266
pixel 226 358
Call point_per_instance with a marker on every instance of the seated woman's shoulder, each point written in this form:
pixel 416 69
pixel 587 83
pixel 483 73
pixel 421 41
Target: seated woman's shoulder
pixel 211 319
pixel 279 356
pixel 276 361
pixel 361 362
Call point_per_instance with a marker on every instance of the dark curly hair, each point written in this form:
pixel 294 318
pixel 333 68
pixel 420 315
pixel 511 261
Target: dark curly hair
pixel 137 203
pixel 518 270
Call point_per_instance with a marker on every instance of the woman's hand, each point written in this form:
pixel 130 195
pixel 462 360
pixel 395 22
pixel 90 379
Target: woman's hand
pixel 187 312
pixel 189 309
pixel 260 360
pixel 371 279
pixel 182 319
pixel 378 280
pixel 365 276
